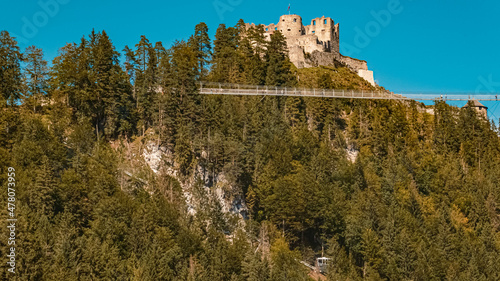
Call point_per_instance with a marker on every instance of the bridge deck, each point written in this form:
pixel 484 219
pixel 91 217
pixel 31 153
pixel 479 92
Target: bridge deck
pixel 252 90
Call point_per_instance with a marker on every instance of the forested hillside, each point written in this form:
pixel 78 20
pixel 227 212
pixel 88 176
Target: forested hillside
pixel 389 191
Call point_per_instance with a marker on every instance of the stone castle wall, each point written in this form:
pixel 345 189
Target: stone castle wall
pixel 309 43
pixel 315 44
pixel 327 32
pixel 354 63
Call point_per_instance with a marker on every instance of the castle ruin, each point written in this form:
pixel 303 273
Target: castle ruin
pixel 315 44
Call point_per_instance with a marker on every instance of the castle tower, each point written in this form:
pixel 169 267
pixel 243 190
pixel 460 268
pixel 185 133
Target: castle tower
pixel 291 26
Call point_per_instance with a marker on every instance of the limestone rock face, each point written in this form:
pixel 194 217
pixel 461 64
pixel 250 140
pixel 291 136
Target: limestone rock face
pixel 315 44
pixel 216 186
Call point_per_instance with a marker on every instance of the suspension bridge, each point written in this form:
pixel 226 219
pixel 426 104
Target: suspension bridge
pixel 254 90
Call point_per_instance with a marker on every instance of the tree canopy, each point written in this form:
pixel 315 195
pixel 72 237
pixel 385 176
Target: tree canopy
pixel 384 189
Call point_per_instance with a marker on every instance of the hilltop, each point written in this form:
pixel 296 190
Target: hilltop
pixel 126 172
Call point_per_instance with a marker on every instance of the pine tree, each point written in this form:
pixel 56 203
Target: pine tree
pixel 145 82
pixel 10 69
pixel 251 50
pixel 278 64
pixel 91 79
pixel 42 195
pixel 285 263
pixel 130 64
pixel 255 267
pixel 256 66
pixel 225 66
pixel 200 42
pixel 371 250
pixel 35 76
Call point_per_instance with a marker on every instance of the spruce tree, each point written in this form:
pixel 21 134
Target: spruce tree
pixel 255 267
pixel 145 82
pixel 200 42
pixel 278 64
pixel 10 69
pixel 35 76
pixel 225 67
pixel 256 66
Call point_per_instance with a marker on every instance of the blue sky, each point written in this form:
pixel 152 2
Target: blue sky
pixel 425 45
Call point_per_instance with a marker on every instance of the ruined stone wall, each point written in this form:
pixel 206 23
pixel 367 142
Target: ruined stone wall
pixel 315 44
pixel 322 58
pixel 309 43
pixel 326 31
pixel 354 64
pixel 367 75
pixel 297 57
pixel 336 39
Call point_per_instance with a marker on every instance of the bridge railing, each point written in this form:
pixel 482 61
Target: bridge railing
pixel 259 90
pixel 213 85
pixel 236 89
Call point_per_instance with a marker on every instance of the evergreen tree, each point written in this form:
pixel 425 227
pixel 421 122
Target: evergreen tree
pixel 225 65
pixel 278 64
pixel 145 82
pixel 255 267
pixel 256 66
pixel 285 265
pixel 90 77
pixel 200 42
pixel 251 49
pixel 10 69
pixel 35 76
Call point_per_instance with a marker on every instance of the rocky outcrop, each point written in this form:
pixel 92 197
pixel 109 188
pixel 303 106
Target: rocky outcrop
pixel 228 194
